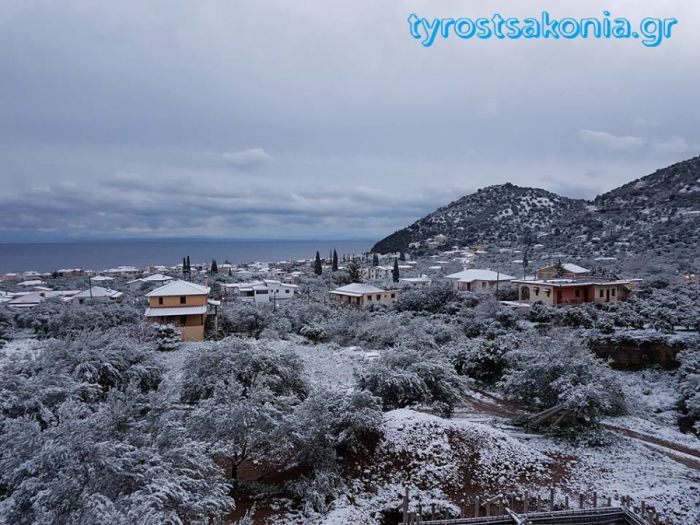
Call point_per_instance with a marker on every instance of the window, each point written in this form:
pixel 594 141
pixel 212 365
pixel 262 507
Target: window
pixel 160 300
pixel 601 293
pixel 393 296
pixel 577 292
pixel 287 290
pixel 369 297
pixel 612 292
pixel 379 296
pixel 183 299
pixel 537 290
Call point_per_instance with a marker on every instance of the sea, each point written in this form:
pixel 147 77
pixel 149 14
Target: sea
pixel 100 255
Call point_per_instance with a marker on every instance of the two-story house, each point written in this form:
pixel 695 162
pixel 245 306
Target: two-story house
pixel 182 304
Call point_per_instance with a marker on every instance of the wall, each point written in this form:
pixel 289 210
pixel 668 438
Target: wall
pixel 173 301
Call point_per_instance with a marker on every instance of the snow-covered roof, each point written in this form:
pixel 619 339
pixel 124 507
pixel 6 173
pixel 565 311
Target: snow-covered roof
pixel 168 312
pixel 155 278
pixel 575 268
pixel 35 282
pixel 96 292
pixel 472 275
pixel 179 287
pixel 99 278
pixel 357 289
pixel 422 279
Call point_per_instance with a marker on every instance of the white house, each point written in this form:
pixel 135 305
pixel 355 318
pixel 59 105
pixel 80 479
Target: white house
pixel 473 279
pixel 262 291
pixel 423 280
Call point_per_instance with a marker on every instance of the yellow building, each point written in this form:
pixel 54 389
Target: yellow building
pixel 359 294
pixel 182 304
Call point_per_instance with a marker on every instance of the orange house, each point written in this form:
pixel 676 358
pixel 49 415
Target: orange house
pixel 572 291
pixel 182 304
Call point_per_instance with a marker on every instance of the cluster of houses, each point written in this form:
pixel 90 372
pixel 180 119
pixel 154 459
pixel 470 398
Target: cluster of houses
pixel 185 304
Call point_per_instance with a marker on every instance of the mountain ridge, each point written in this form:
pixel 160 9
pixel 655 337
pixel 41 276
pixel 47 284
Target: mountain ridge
pixel 652 213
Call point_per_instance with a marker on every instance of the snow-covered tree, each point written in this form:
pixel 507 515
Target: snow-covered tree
pixel 168 338
pixel 560 378
pixel 403 378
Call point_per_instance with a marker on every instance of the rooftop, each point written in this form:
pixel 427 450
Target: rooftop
pixel 179 287
pixel 472 275
pixel 357 289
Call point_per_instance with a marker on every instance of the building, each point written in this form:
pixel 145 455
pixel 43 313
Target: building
pixel 265 291
pixel 31 299
pixel 423 280
pixel 473 279
pixel 564 271
pixel 151 279
pixel 359 294
pixel 182 304
pixel 573 291
pixel 383 272
pixel 123 271
pixel 97 293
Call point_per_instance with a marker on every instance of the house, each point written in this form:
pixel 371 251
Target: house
pixel 123 271
pixel 262 291
pixel 360 294
pixel 182 304
pixel 70 272
pixel 151 279
pixel 31 299
pixel 564 271
pixel 33 283
pixel 573 291
pixel 423 280
pixel 101 279
pixel 473 279
pixel 383 272
pixel 97 293
pixel 11 276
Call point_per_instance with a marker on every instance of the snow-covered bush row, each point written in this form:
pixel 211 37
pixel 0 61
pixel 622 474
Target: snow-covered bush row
pixel 57 319
pixel 84 439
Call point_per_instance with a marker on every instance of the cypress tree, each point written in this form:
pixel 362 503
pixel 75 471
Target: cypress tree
pixel 395 271
pixel 402 256
pixel 214 266
pixel 335 261
pixel 375 259
pixel 184 266
pixel 318 267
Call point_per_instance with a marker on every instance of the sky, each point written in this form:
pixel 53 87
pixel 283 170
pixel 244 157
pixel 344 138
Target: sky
pixel 318 119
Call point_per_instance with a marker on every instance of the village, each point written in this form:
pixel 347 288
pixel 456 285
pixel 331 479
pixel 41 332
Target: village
pixel 185 294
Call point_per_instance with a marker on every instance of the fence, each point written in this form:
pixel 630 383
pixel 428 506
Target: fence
pixel 530 508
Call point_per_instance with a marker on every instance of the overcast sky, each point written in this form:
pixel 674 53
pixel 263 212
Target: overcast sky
pixel 317 119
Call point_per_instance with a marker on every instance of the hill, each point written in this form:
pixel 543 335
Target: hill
pixel 655 214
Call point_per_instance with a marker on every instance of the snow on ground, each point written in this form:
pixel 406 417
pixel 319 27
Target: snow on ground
pixel 652 397
pixel 628 467
pixel 330 365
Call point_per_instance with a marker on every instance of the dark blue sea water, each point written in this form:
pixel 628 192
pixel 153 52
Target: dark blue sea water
pixel 46 257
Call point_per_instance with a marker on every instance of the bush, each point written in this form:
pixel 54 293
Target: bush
pixel 434 298
pixel 402 378
pixel 561 378
pixel 482 359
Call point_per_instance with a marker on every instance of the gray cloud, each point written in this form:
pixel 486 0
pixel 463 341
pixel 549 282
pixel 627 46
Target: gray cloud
pixel 247 158
pixel 133 118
